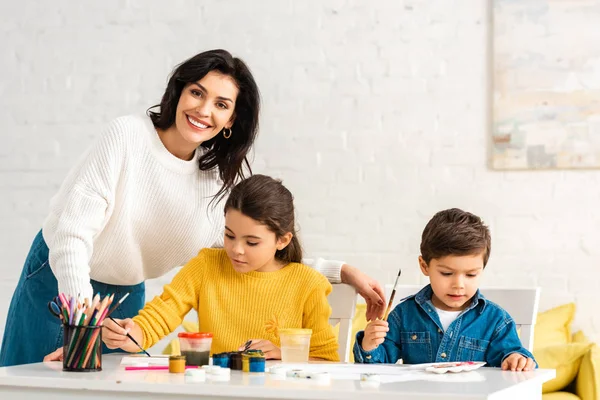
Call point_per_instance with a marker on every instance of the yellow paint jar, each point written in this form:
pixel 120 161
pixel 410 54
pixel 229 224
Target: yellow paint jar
pixel 177 364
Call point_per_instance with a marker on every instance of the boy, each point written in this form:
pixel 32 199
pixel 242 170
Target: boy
pixel 448 320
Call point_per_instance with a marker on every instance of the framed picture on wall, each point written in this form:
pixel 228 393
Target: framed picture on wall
pixel 546 84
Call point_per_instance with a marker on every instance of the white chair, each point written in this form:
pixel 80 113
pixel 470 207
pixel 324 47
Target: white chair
pixel 342 300
pixel 522 305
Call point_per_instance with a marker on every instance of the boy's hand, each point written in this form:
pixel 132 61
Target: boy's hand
pixel 270 351
pixel 517 362
pixel 116 337
pixel 375 334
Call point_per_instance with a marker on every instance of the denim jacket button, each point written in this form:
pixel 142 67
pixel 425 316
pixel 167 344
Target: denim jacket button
pixel 368 357
pixel 414 337
pixel 443 355
pixel 439 330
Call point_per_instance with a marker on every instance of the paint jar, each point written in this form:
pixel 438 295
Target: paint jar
pixel 257 363
pixel 177 364
pixel 235 360
pixel 247 355
pixel 221 360
pixel 82 348
pixel 295 344
pixel 195 346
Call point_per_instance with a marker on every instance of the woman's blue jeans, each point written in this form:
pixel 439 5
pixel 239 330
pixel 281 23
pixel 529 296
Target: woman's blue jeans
pixel 31 331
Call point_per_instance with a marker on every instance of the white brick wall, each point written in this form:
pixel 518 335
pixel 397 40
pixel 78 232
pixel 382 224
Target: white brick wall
pixel 375 114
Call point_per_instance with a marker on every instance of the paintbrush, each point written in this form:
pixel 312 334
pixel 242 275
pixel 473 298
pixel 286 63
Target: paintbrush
pixel 118 304
pixel 389 306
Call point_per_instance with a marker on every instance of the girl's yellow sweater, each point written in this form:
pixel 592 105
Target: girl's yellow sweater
pixel 236 307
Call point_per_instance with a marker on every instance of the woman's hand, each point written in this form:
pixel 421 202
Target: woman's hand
pixel 56 355
pixel 368 288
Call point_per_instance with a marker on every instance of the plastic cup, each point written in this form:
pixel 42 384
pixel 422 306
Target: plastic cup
pixel 295 345
pixel 195 346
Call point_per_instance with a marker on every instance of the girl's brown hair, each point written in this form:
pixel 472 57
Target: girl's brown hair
pixel 267 201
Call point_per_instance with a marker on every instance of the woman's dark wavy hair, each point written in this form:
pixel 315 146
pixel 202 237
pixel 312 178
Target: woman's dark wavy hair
pixel 267 201
pixel 228 155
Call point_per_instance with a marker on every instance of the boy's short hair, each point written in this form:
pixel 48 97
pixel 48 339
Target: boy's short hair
pixel 455 232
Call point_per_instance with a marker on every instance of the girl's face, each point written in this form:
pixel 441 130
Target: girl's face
pixel 250 245
pixel 206 107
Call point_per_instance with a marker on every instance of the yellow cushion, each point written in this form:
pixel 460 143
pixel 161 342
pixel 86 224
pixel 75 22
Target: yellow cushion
pixel 588 379
pixel 579 337
pixel 553 326
pixel 565 359
pixel 173 348
pixel 560 396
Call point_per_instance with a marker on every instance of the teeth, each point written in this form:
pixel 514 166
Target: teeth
pixel 196 123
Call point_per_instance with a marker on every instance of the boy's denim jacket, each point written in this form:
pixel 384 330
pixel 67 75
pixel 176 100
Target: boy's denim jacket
pixel 482 332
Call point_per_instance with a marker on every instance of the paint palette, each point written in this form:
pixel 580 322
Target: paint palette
pixel 465 366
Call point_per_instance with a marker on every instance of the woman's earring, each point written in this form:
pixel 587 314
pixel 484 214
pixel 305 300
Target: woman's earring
pixel 226 134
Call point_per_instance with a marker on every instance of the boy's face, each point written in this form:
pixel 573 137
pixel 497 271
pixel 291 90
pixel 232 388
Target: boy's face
pixel 454 280
pixel 250 245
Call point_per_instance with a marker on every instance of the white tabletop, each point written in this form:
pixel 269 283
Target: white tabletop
pixel 27 381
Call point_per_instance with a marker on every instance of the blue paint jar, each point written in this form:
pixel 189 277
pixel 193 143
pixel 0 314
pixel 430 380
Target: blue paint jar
pixel 256 363
pixel 221 360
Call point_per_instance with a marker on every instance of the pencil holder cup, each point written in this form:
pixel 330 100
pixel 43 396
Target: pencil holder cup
pixel 82 348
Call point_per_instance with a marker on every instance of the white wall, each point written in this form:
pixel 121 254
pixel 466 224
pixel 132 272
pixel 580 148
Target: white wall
pixel 376 115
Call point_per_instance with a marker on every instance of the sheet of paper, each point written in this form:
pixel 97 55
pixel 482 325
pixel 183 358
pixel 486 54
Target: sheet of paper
pixel 143 360
pixel 345 369
pixel 405 377
pixel 388 373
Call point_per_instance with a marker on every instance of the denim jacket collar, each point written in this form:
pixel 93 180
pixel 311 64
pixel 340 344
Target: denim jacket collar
pixel 424 295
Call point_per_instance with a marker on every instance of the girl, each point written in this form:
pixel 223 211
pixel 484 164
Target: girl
pixel 250 289
pixel 143 200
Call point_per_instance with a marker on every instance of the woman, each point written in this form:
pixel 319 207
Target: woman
pixel 143 200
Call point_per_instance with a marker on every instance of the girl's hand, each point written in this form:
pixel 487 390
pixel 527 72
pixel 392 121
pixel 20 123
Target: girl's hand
pixel 270 351
pixel 115 337
pixel 375 334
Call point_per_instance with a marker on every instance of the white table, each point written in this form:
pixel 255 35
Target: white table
pixel 48 382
